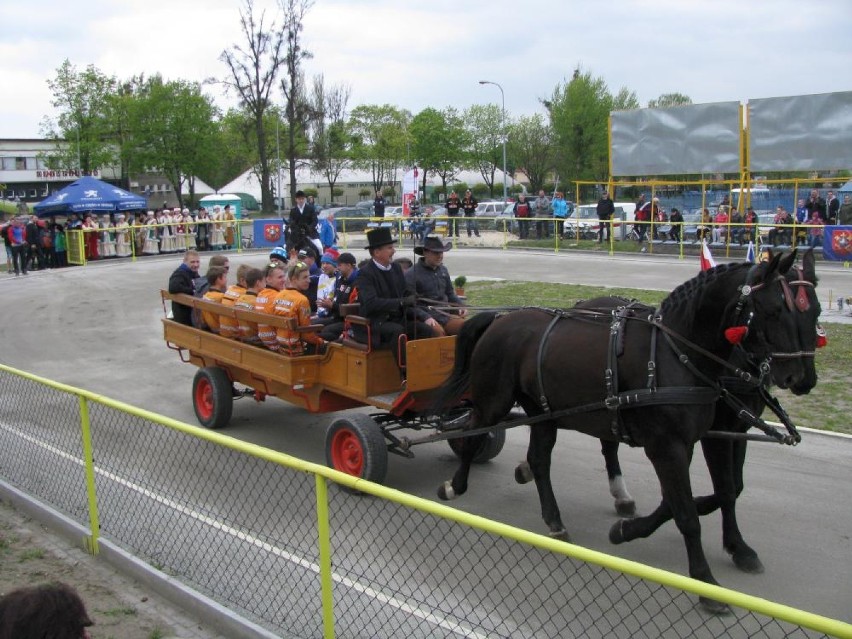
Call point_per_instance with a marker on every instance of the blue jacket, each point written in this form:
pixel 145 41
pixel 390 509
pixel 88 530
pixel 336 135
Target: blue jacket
pixel 560 207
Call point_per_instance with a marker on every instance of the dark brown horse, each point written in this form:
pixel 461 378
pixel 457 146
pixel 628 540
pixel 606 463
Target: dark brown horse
pixel 646 380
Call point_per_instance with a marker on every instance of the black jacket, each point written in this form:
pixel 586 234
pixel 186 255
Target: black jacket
pixel 380 294
pixel 181 282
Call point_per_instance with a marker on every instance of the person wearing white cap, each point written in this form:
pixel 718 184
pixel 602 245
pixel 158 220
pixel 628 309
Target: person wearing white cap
pixel 152 242
pixel 122 241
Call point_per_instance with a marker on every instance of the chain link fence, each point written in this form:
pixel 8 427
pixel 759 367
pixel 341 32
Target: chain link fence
pixel 268 537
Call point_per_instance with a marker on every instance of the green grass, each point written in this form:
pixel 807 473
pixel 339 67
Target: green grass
pixel 126 611
pixel 29 555
pixel 826 407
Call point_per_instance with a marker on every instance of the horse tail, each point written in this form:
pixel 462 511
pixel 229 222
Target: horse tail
pixel 458 382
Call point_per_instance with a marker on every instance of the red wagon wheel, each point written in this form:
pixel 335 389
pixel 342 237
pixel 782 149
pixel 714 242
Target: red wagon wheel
pixel 356 446
pixel 212 397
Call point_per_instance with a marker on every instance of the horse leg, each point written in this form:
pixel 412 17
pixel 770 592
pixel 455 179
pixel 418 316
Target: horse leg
pixel 624 504
pixel 542 441
pixel 671 463
pixel 725 462
pixel 458 484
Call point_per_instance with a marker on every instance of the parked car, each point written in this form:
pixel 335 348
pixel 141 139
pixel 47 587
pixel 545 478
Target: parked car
pixel 393 211
pixel 348 218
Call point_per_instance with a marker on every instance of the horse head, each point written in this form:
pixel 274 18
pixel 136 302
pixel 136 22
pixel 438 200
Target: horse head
pixel 775 319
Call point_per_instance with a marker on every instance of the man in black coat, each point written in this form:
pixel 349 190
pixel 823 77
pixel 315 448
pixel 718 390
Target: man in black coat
pixel 605 210
pixel 385 298
pixel 302 224
pixel 181 281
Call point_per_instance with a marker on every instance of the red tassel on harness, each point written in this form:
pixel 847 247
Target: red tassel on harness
pixel 822 340
pixel 736 334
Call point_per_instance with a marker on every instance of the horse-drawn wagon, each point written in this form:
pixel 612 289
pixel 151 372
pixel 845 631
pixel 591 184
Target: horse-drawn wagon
pixel 348 375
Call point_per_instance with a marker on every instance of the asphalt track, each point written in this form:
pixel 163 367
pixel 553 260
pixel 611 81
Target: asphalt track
pixel 98 328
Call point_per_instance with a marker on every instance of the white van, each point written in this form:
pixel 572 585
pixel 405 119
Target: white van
pixel 586 216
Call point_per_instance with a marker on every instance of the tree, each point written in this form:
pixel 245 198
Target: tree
pixel 297 108
pixel 438 143
pixel 83 101
pixel 379 140
pixel 669 100
pixel 253 74
pixel 174 126
pixel 236 147
pixel 484 126
pixel 532 148
pixel 579 114
pixel 330 139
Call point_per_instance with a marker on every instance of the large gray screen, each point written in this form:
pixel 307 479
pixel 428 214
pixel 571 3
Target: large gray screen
pixel 801 133
pixel 698 138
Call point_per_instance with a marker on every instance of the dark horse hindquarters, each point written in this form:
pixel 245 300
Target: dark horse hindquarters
pixel 501 357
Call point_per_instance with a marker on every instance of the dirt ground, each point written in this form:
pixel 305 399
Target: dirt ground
pixel 31 555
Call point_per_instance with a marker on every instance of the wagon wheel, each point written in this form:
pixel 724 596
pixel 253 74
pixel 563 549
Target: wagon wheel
pixel 211 397
pixel 489 449
pixel 356 446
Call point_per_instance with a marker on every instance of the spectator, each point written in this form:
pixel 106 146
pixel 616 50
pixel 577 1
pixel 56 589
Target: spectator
pixel 737 230
pixel 657 217
pixel 122 236
pixel 676 220
pixel 720 224
pixel 229 227
pixel 202 230
pixel 430 280
pixel 560 212
pixel 151 245
pixel 255 281
pixel 90 236
pixel 386 299
pixel 815 224
pixel 844 215
pixel 4 228
pixel 781 233
pixel 469 204
pixel 16 235
pixel 276 279
pixel 705 226
pixel 48 611
pixel 344 293
pixel 541 210
pixel 605 211
pixel 379 205
pixel 181 281
pixel 832 207
pixel 749 233
pixel 642 218
pixel 292 303
pixel 453 208
pixel 816 203
pixel 523 211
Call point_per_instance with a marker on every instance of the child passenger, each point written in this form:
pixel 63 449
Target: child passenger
pixel 292 302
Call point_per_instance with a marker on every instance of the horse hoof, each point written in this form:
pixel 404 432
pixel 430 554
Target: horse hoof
pixel 616 533
pixel 523 474
pixel 748 562
pixel 560 535
pixel 626 508
pixel 714 607
pixel 446 492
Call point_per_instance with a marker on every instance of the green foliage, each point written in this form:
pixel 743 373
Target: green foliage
pixel 336 192
pixel 483 124
pixel 438 143
pixel 480 190
pixel 379 140
pixel 460 281
pixel 310 191
pixel 389 192
pixel 531 147
pixel 365 193
pixel 669 100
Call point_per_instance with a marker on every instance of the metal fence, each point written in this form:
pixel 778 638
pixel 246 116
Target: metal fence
pixel 287 545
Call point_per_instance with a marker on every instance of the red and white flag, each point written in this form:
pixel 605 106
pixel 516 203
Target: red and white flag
pixel 707 260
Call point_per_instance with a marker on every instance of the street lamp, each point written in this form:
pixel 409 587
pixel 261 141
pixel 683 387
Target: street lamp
pixel 503 98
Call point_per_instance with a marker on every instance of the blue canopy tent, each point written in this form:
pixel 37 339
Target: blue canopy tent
pixel 90 194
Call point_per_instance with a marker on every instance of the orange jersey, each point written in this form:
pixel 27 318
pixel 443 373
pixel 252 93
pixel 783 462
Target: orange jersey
pixel 248 330
pixel 212 319
pixel 264 303
pixel 228 326
pixel 293 303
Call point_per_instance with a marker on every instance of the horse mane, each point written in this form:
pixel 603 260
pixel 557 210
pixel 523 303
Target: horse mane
pixel 690 291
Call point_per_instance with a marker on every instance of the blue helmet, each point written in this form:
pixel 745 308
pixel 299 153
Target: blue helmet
pixel 279 252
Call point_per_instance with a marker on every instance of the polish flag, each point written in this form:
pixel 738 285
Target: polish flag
pixel 707 260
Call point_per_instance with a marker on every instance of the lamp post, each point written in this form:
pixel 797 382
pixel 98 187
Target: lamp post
pixel 503 98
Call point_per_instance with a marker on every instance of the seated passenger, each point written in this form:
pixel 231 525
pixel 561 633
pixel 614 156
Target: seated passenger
pixel 344 293
pixel 386 301
pixel 217 281
pixel 325 288
pixel 181 281
pixel 254 284
pixel 292 303
pixel 228 326
pixel 275 279
pixel 430 279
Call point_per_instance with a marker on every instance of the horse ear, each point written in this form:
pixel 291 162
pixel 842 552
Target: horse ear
pixel 787 262
pixel 809 266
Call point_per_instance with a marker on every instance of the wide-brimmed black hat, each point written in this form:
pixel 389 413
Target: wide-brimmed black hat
pixel 432 243
pixel 379 236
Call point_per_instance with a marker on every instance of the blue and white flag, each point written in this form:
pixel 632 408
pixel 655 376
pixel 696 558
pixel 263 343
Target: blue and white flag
pixel 750 253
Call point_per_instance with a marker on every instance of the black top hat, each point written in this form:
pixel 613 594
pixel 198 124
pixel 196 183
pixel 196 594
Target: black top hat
pixel 379 236
pixel 432 243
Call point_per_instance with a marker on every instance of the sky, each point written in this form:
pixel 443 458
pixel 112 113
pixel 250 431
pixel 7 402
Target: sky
pixel 432 54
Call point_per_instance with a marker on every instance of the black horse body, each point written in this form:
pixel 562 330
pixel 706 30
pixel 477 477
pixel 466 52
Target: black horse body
pixel 501 361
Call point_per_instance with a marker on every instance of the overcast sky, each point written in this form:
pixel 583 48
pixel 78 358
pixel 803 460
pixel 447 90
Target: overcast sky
pixel 416 55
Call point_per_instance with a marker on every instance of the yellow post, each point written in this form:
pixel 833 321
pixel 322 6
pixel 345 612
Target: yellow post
pixel 90 542
pixel 324 534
